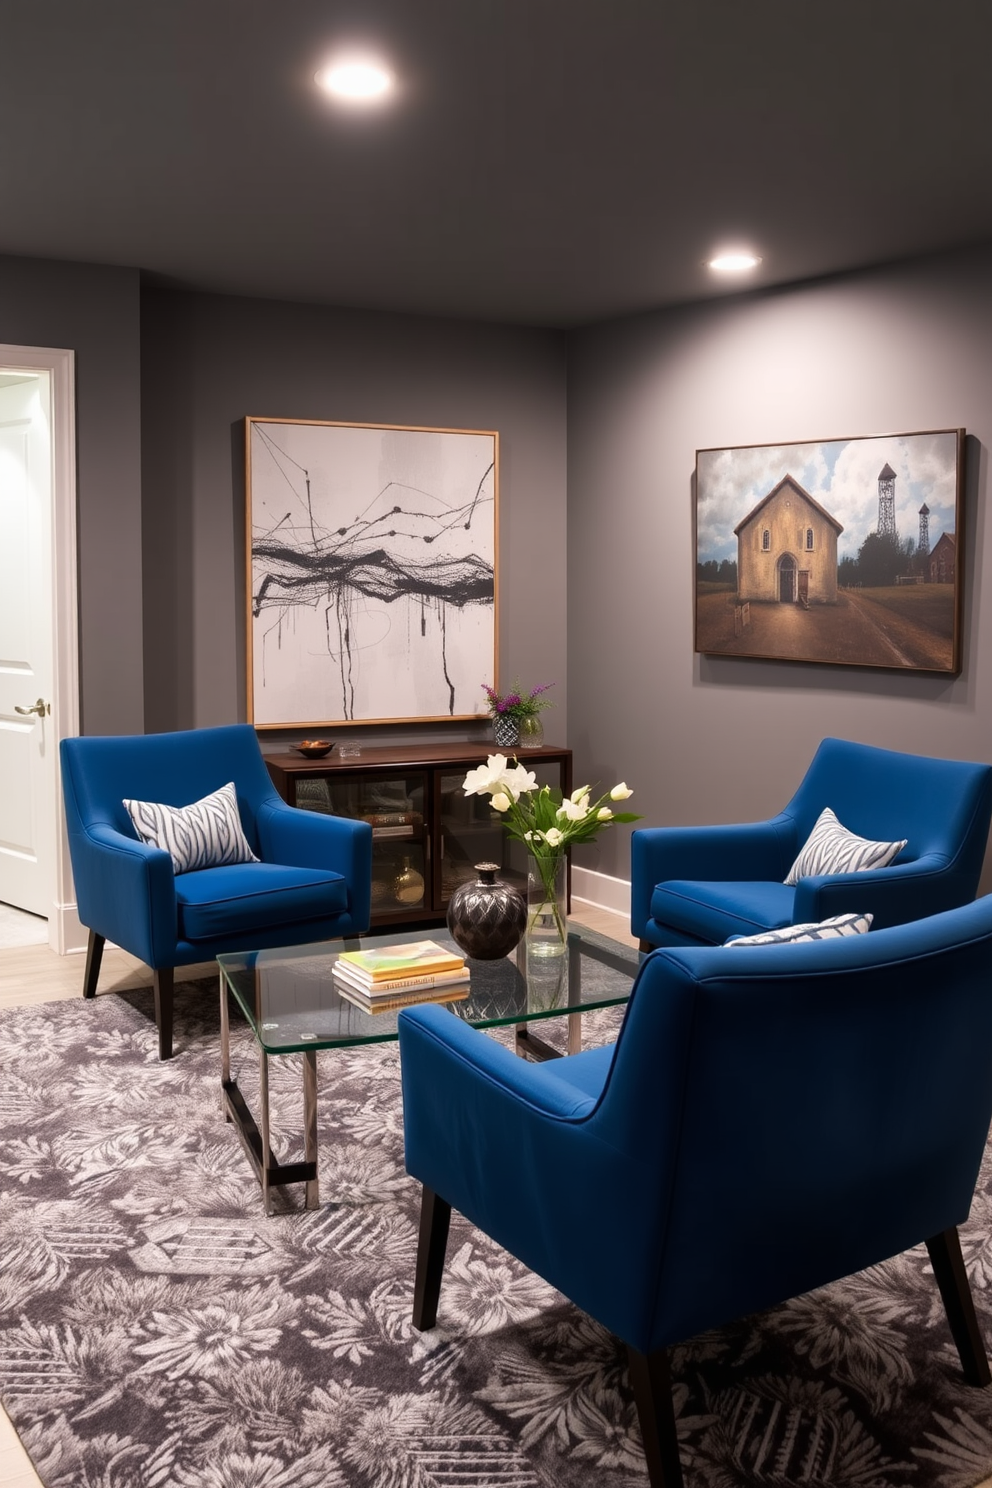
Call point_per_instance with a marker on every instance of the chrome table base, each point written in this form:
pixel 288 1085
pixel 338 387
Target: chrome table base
pixel 254 1137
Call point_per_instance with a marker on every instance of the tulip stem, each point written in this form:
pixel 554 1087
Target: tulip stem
pixel 547 869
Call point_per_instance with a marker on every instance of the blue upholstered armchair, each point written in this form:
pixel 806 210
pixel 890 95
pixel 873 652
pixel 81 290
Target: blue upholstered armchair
pixel 700 885
pixel 858 1069
pixel 313 880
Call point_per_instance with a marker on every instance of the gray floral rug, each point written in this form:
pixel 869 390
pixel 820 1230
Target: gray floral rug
pixel 156 1329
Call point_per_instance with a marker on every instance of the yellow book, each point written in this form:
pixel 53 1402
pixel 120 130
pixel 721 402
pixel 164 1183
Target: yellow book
pixel 390 986
pixel 414 958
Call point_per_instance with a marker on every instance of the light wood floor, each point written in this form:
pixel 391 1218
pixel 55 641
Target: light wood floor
pixel 33 973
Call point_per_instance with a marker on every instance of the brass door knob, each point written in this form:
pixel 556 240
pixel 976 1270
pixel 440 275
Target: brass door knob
pixel 40 707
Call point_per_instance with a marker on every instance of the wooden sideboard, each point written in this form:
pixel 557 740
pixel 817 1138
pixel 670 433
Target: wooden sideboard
pixel 427 834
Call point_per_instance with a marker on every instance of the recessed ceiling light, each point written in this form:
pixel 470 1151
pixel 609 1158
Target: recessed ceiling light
pixel 734 261
pixel 355 79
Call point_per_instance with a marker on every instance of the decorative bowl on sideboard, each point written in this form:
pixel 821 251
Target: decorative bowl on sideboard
pixel 313 748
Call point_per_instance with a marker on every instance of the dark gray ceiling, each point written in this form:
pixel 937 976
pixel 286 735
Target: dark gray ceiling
pixel 547 161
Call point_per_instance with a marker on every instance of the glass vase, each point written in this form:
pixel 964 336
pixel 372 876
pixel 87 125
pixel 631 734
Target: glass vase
pixel 531 731
pixel 547 923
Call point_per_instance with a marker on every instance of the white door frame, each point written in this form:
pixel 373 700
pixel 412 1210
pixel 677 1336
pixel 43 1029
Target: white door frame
pixel 64 930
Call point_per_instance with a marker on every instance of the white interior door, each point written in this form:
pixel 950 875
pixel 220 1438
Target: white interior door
pixel 28 738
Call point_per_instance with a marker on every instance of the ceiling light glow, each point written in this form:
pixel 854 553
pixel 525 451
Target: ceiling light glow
pixel 735 261
pixel 355 79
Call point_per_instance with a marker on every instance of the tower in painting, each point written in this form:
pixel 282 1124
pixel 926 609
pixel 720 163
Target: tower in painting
pixel 923 546
pixel 886 501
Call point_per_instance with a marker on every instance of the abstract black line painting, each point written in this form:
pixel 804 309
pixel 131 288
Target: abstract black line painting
pixel 371 572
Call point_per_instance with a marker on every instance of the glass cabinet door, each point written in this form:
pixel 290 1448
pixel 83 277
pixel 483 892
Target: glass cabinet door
pixel 394 807
pixel 472 832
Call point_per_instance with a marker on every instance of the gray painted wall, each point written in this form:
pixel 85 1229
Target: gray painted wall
pixel 707 739
pixel 208 361
pixel 95 312
pixel 165 380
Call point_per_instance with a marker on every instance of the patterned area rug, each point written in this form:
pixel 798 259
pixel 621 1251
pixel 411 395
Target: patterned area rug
pixel 156 1329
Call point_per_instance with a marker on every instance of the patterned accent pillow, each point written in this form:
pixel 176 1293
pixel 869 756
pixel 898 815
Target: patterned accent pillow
pixel 832 929
pixel 831 848
pixel 207 834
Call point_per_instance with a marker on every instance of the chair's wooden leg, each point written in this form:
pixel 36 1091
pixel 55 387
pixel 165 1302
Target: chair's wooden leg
pixel 164 983
pixel 645 947
pixel 952 1278
pixel 652 1386
pixel 94 955
pixel 435 1217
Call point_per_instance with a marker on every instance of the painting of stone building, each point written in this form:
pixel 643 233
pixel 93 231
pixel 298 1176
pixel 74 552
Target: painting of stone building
pixel 787 549
pixel 841 552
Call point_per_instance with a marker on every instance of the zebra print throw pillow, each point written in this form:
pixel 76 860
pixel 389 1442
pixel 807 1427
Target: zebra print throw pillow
pixel 838 925
pixel 831 848
pixel 207 834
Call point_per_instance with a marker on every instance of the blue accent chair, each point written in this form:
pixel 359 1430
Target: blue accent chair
pixel 314 880
pixel 770 1119
pixel 699 885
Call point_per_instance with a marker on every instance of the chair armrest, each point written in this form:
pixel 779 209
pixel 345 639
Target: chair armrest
pixel 126 891
pixel 893 895
pixel 308 839
pixel 435 1045
pixel 479 1124
pixel 522 1155
pixel 747 851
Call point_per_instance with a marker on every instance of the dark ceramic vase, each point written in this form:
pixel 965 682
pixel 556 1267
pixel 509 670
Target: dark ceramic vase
pixel 487 917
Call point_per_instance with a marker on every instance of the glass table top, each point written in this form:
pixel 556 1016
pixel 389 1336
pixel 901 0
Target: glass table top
pixel 291 999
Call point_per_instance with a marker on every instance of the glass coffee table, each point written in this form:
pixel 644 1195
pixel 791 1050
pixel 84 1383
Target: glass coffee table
pixel 292 1005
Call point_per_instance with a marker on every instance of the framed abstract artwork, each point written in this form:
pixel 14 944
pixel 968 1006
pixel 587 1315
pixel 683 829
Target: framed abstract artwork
pixel 842 551
pixel 372 575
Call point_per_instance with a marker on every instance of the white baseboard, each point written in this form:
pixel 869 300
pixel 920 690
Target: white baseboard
pixel 66 935
pixel 601 890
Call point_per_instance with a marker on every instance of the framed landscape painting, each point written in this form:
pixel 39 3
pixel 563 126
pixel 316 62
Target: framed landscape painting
pixel 843 551
pixel 372 585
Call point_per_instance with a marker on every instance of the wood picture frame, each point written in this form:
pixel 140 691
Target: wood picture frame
pixel 372 578
pixel 846 552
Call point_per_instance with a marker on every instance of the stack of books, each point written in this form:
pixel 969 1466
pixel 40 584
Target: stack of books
pixel 395 823
pixel 394 976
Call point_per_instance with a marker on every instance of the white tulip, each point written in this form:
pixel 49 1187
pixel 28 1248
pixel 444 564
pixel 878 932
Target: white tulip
pixel 519 781
pixel 573 810
pixel 487 778
pixel 604 814
pixel 500 802
pixel 620 792
pixel 577 795
pixel 553 837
